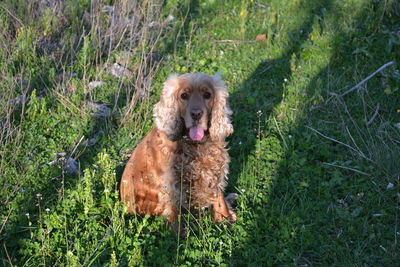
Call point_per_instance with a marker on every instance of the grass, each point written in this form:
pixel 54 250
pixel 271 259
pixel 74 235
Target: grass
pixel 317 173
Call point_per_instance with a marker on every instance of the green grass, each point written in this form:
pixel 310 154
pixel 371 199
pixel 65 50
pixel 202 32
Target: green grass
pixel 312 167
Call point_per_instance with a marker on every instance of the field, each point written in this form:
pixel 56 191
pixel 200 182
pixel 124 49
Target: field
pixel 315 156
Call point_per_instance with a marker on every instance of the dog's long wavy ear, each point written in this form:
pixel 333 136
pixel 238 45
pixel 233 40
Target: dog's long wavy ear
pixel 221 126
pixel 166 111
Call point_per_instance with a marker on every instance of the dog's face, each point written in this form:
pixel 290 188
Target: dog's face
pixel 194 104
pixel 195 95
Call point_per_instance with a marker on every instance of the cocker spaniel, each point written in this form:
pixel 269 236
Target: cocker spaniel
pixel 182 164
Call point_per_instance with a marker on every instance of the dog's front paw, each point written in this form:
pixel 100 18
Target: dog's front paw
pixel 232 217
pixel 219 217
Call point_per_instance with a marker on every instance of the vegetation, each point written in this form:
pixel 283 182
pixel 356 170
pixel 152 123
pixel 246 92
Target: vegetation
pixel 316 165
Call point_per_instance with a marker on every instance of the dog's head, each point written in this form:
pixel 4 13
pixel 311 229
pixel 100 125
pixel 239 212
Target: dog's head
pixel 194 104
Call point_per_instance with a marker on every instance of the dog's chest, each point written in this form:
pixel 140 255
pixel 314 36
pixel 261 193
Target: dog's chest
pixel 201 170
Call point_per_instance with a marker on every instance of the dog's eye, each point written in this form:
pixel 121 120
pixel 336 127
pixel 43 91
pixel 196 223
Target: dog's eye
pixel 185 96
pixel 207 95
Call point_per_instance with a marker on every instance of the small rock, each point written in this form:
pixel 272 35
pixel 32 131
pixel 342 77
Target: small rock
pixel 389 186
pixel 92 141
pixel 153 24
pixel 169 19
pixel 16 101
pixel 108 8
pixel 101 110
pixel 71 166
pixel 95 84
pixel 61 154
pixel 119 71
pixel 65 76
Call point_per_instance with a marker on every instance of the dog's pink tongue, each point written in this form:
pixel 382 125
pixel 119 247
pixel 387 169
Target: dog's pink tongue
pixel 196 133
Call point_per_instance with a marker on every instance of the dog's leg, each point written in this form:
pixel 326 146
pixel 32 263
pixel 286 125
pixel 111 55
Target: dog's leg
pixel 221 211
pixel 177 223
pixel 180 229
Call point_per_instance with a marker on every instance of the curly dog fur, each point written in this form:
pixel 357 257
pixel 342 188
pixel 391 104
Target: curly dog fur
pixel 183 161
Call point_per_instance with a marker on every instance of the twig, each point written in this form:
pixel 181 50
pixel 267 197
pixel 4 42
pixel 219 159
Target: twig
pixel 76 146
pixel 8 256
pixel 373 116
pixel 366 79
pixel 339 142
pixel 6 220
pixel 234 41
pixel 347 168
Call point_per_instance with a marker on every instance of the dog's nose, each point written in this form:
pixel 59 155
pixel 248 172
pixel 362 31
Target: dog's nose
pixel 196 113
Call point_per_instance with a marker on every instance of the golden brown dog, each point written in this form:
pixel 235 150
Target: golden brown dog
pixel 183 161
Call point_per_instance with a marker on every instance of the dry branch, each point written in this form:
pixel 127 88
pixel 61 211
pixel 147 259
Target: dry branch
pixel 339 142
pixel 373 116
pixel 369 77
pixel 347 168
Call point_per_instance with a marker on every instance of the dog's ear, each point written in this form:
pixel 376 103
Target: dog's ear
pixel 221 126
pixel 166 111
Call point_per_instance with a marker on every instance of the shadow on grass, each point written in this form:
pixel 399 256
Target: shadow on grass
pixel 254 101
pixel 299 221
